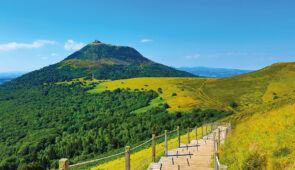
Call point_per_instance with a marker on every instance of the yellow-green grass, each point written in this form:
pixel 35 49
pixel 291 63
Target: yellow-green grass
pixel 185 98
pixel 250 90
pixel 138 157
pixel 82 80
pixel 266 140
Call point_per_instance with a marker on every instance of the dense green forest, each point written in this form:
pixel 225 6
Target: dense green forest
pixel 41 124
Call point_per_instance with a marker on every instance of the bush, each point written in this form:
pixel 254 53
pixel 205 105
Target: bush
pixel 233 104
pixel 255 161
pixel 282 152
pixel 275 97
pixel 174 94
pixel 166 106
pixel 160 90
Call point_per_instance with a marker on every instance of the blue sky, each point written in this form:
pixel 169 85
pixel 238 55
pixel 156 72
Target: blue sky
pixel 244 34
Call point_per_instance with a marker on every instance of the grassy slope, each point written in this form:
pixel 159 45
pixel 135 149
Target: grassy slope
pixel 184 100
pixel 250 91
pixel 270 144
pixel 253 92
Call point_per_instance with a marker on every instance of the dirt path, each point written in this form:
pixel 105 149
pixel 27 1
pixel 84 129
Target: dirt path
pixel 196 155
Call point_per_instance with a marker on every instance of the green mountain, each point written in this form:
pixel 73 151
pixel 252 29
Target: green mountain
pixel 42 121
pixel 100 61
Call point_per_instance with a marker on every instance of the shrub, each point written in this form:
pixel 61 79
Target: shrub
pixel 275 97
pixel 282 152
pixel 160 90
pixel 174 94
pixel 166 105
pixel 233 104
pixel 255 161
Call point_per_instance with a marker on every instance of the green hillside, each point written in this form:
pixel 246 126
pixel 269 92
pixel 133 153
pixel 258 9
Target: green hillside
pixel 75 108
pixel 99 61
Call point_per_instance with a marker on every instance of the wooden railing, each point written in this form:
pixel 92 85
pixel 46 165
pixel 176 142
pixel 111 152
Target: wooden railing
pixel 64 162
pixel 217 142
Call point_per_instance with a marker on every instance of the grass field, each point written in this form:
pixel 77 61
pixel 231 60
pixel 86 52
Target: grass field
pixel 185 98
pixel 270 144
pixel 264 101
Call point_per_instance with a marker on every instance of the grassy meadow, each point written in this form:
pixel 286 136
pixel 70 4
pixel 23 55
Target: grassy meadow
pixel 270 144
pixel 263 101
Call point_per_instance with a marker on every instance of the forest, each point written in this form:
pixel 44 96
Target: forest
pixel 44 123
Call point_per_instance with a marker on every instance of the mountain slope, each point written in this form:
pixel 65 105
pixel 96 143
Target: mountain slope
pixel 100 61
pixel 250 91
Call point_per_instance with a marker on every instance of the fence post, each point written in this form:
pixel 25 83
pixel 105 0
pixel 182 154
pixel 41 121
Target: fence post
pixel 211 127
pixel 127 158
pixel 218 136
pixel 216 155
pixel 196 133
pixel 202 131
pixel 188 138
pixel 206 130
pixel 166 144
pixel 64 164
pixel 154 148
pixel 178 136
pixel 214 149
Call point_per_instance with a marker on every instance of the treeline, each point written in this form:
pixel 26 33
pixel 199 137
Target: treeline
pixel 44 123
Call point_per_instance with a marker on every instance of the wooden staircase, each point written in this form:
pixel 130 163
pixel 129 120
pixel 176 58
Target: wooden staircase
pixel 197 155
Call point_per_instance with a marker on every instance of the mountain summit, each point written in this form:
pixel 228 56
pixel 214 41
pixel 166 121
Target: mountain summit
pixel 109 54
pixel 100 61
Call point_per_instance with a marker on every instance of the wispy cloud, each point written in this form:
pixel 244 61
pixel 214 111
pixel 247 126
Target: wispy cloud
pixel 14 45
pixel 145 40
pixel 196 56
pixel 72 45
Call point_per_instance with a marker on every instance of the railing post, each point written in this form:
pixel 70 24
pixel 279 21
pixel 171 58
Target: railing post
pixel 218 136
pixel 178 136
pixel 63 164
pixel 166 144
pixel 154 148
pixel 206 130
pixel 202 131
pixel 196 133
pixel 214 149
pixel 188 138
pixel 127 158
pixel 211 127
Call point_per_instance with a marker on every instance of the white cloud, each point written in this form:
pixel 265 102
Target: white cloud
pixel 13 45
pixel 145 40
pixel 72 45
pixel 196 56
